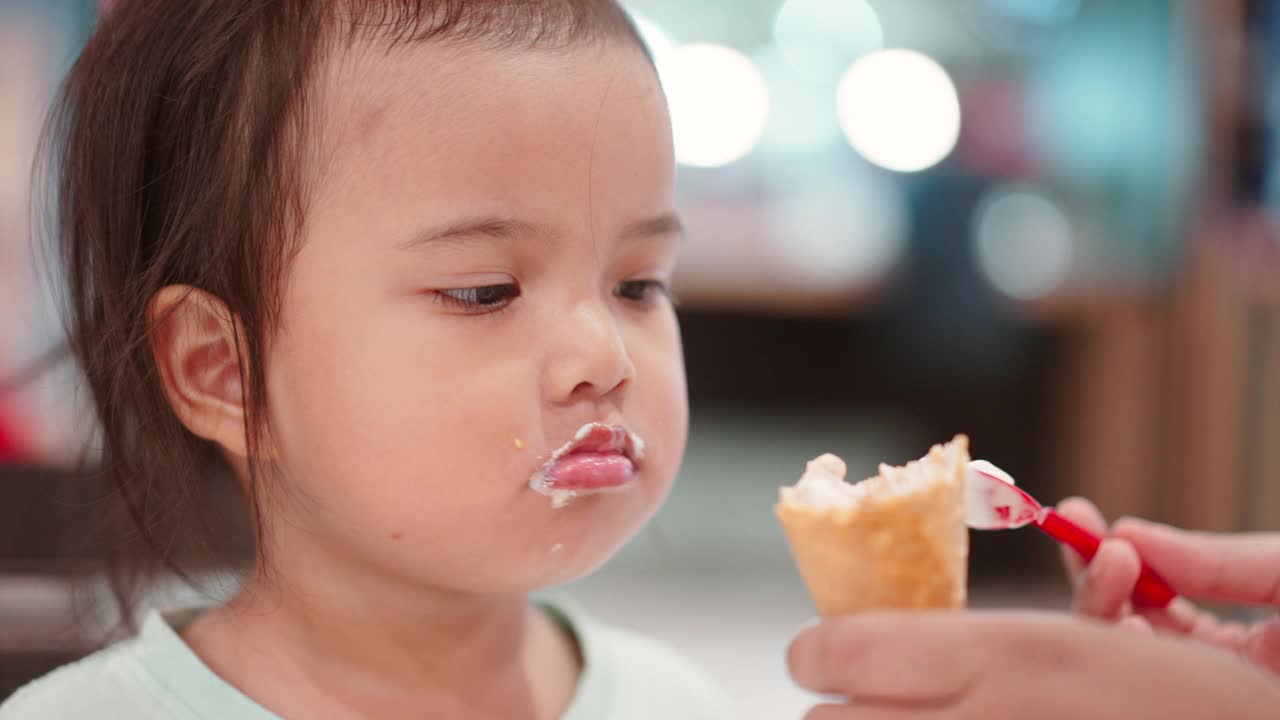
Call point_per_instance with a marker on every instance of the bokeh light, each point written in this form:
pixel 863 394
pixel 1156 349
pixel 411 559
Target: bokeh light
pixel 840 227
pixel 801 121
pixel 719 104
pixel 1040 12
pixel 1024 243
pixel 820 38
pixel 899 109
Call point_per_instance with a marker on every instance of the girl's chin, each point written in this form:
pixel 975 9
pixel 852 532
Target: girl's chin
pixel 566 560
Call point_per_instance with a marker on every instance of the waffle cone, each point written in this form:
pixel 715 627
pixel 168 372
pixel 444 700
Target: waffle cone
pixel 905 548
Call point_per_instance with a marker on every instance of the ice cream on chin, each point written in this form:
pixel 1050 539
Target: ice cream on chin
pixel 897 540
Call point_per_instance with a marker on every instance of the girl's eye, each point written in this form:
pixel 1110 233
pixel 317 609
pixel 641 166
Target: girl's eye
pixel 640 291
pixel 478 300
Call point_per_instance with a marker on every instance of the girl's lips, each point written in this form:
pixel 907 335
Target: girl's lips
pixel 590 471
pixel 600 457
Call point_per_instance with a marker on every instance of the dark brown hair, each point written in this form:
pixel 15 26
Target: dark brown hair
pixel 177 143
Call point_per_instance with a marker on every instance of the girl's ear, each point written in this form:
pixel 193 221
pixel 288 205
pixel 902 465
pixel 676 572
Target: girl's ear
pixel 200 357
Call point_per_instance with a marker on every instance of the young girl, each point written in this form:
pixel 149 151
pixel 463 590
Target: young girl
pixel 400 267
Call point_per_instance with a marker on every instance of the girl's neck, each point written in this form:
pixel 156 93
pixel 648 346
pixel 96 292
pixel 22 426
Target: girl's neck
pixel 379 650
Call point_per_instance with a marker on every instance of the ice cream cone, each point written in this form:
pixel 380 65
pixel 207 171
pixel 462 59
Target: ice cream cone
pixel 894 541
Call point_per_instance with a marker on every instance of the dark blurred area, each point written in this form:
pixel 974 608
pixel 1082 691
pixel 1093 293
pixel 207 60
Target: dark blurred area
pixel 1048 224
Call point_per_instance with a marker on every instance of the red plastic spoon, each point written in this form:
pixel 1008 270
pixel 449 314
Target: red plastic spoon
pixel 994 502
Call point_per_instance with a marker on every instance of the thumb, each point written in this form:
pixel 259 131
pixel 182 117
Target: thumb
pixel 1242 568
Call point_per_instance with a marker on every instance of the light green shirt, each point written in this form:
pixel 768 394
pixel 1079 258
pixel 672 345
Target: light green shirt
pixel 156 675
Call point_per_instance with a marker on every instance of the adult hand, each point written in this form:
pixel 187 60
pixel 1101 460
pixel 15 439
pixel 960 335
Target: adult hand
pixel 1242 569
pixel 994 665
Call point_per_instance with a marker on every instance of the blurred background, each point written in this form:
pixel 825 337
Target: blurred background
pixel 1047 224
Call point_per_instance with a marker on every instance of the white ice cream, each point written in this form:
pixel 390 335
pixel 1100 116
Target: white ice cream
pixel 823 483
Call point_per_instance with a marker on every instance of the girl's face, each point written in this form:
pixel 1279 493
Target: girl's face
pixel 480 277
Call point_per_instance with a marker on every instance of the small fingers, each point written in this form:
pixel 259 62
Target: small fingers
pixel 1242 568
pixel 1259 644
pixel 1086 515
pixel 1103 589
pixel 1262 645
pixel 1136 623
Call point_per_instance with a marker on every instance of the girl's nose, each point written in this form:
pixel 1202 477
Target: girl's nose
pixel 592 360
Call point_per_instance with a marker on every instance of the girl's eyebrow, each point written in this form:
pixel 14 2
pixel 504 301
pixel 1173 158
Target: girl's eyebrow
pixel 485 228
pixel 505 229
pixel 666 224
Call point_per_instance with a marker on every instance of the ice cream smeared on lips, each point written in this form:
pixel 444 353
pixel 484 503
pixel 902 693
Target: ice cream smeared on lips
pixel 599 458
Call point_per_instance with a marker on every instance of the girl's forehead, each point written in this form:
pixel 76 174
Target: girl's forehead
pixel 438 82
pixel 444 102
pixel 442 129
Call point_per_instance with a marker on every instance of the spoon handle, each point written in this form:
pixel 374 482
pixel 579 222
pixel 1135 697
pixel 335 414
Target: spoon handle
pixel 1151 591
